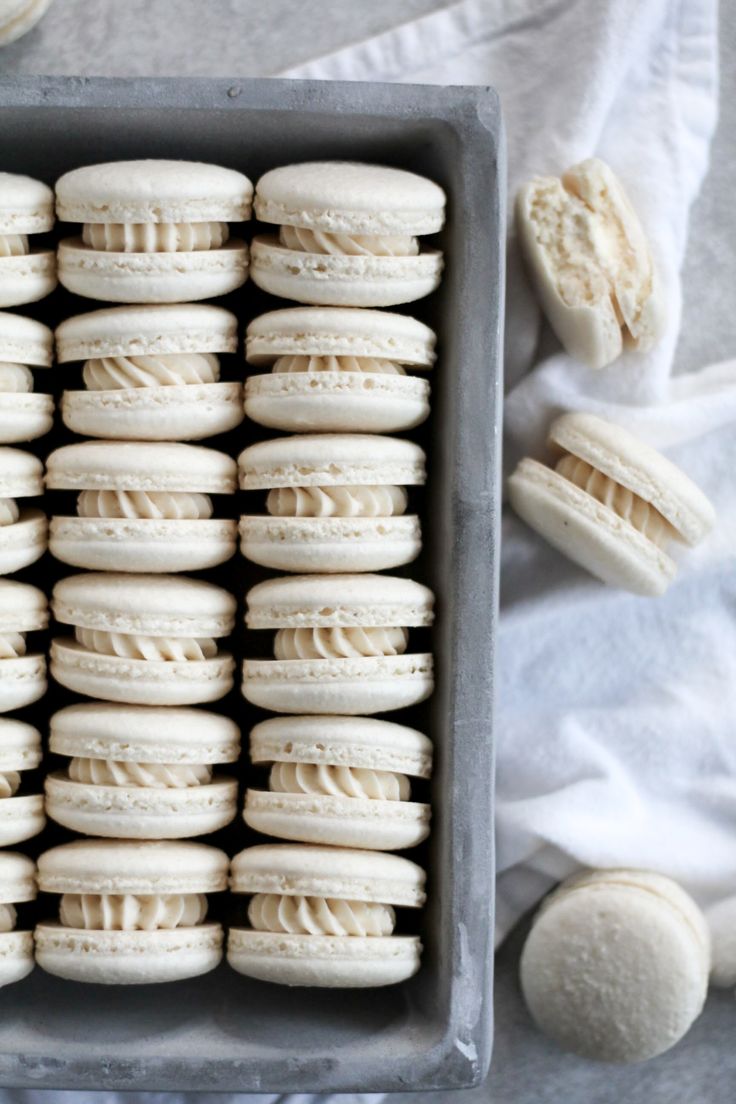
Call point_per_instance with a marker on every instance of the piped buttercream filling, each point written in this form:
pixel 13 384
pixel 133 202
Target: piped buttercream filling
pixel 336 781
pixel 132 911
pixel 339 643
pixel 170 505
pixel 9 783
pixel 12 645
pixel 159 370
pixel 14 245
pixel 9 512
pixel 378 501
pixel 160 776
pixel 8 918
pixel 155 237
pixel 15 377
pixel 373 365
pixel 319 915
pixel 350 245
pixel 140 646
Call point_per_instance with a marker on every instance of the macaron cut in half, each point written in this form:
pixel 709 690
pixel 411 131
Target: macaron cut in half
pixel 341 644
pixel 324 916
pixel 151 373
pixel 142 772
pixel 153 231
pixel 348 234
pixel 143 639
pixel 342 781
pixel 26 208
pixel 23 529
pixel 338 370
pixel 23 610
pixel 612 504
pixel 131 912
pixel 336 502
pixel 21 815
pixel 17 885
pixel 142 507
pixel 24 343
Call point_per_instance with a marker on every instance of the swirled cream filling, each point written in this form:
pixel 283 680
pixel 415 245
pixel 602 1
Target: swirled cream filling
pixel 9 512
pixel 159 776
pixel 12 645
pixel 9 783
pixel 169 505
pixel 160 370
pixel 140 646
pixel 381 501
pixel 348 245
pixel 132 911
pixel 155 237
pixel 375 365
pixel 14 245
pixel 334 781
pixel 319 915
pixel 629 506
pixel 339 643
pixel 8 918
pixel 15 377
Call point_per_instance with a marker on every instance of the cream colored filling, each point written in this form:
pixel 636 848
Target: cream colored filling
pixel 12 645
pixel 9 512
pixel 153 237
pixel 14 245
pixel 351 245
pixel 382 501
pixel 319 915
pixel 15 377
pixel 140 646
pixel 132 911
pixel 161 370
pixel 9 783
pixel 374 365
pixel 8 918
pixel 160 776
pixel 171 505
pixel 320 778
pixel 339 643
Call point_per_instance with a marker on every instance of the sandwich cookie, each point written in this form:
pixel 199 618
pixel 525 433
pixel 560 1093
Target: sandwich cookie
pixel 335 502
pixel 151 373
pixel 17 885
pixel 21 817
pixel 154 231
pixel 23 609
pixel 23 530
pixel 142 507
pixel 615 967
pixel 340 644
pixel 337 370
pixel 348 234
pixel 340 780
pixel 324 916
pixel 26 208
pixel 141 772
pixel 143 639
pixel 18 17
pixel 611 503
pixel 131 913
pixel 24 414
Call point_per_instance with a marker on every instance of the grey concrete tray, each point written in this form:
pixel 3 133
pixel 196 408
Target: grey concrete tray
pixel 223 1032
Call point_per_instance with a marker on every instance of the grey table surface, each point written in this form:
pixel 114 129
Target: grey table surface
pixel 247 38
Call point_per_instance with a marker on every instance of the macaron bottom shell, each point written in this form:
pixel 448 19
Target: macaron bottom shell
pixel 27 278
pixel 142 544
pixel 22 681
pixel 16 956
pixel 21 818
pixel 24 416
pixel 24 542
pixel 189 412
pixel 331 545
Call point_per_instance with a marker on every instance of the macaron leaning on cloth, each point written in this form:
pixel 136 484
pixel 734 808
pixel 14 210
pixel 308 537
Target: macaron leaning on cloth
pixel 26 208
pixel 348 234
pixel 151 373
pixel 141 772
pixel 18 17
pixel 17 885
pixel 131 912
pixel 21 815
pixel 154 231
pixel 142 507
pixel 324 916
pixel 612 503
pixel 23 529
pixel 143 639
pixel 24 343
pixel 336 502
pixel 23 610
pixel 338 370
pixel 341 644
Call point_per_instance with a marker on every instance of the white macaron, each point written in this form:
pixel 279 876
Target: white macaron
pixel 17 885
pixel 338 370
pixel 348 234
pixel 323 916
pixel 21 815
pixel 341 644
pixel 612 503
pixel 23 609
pixel 336 502
pixel 143 507
pixel 26 208
pixel 24 343
pixel 132 912
pixel 143 639
pixel 151 373
pixel 154 231
pixel 18 17
pixel 23 529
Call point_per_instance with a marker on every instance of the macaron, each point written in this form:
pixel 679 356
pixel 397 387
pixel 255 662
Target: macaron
pixel 23 609
pixel 154 231
pixel 26 208
pixel 131 912
pixel 338 370
pixel 335 502
pixel 143 639
pixel 23 529
pixel 348 234
pixel 615 967
pixel 18 17
pixel 142 507
pixel 611 503
pixel 21 816
pixel 151 373
pixel 341 644
pixel 324 916
pixel 24 414
pixel 342 781
pixel 17 885
pixel 142 772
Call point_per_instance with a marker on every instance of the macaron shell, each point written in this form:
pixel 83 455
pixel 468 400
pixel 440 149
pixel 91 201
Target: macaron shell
pixel 132 866
pixel 17 878
pixel 24 416
pixel 294 601
pixel 142 544
pixel 16 956
pixel 191 412
pixel 23 608
pixel 21 818
pixel 331 460
pixel 25 341
pixel 27 278
pixel 20 747
pixel 23 542
pixel 21 474
pixel 26 205
pixel 22 681
pixel 330 545
pixel 121 465
pixel 146 330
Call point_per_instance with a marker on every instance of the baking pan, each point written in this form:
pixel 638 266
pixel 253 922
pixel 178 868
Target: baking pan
pixel 225 1032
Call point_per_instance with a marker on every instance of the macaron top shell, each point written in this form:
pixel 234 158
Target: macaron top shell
pixel 153 191
pixel 138 466
pixel 315 601
pixel 25 341
pixel 132 866
pixel 23 608
pixel 21 474
pixel 17 878
pixel 26 205
pixel 331 459
pixel 20 745
pixel 147 330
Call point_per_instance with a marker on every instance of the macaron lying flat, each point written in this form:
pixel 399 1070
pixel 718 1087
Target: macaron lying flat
pixel 131 912
pixel 21 816
pixel 17 885
pixel 323 916
pixel 340 644
pixel 337 370
pixel 615 966
pixel 154 231
pixel 23 529
pixel 612 504
pixel 141 772
pixel 18 17
pixel 143 639
pixel 348 234
pixel 23 609
pixel 142 507
pixel 24 414
pixel 151 373
pixel 335 503
pixel 26 208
